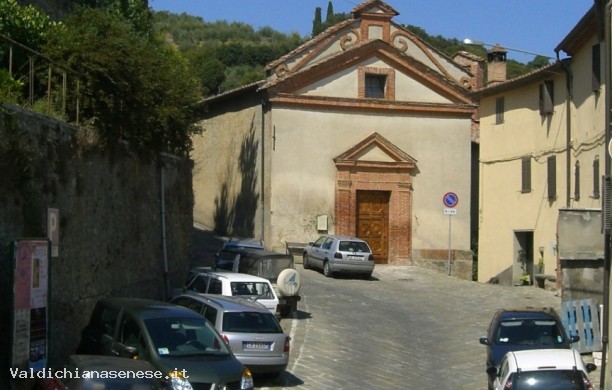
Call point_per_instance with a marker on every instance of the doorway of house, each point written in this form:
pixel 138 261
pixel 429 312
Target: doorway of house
pixel 373 222
pixel 523 255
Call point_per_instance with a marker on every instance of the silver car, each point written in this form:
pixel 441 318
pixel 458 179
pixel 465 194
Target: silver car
pixel 253 333
pixel 333 254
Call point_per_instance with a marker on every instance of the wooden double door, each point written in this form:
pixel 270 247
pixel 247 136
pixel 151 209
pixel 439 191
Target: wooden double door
pixel 373 222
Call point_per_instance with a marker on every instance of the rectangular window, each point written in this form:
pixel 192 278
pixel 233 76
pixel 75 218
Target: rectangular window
pixel 499 110
pixel 577 181
pixel 596 66
pixel 375 86
pixel 547 101
pixel 526 174
pixel 596 177
pixel 552 177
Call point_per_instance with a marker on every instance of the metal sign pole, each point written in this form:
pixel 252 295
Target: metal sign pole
pixel 449 243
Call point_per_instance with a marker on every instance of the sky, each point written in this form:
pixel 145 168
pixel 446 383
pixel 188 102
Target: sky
pixel 536 26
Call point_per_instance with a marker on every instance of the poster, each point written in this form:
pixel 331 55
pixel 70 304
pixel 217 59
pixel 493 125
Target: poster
pixel 30 303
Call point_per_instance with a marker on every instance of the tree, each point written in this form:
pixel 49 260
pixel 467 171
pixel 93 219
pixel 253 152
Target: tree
pixel 317 23
pixel 136 89
pixel 330 11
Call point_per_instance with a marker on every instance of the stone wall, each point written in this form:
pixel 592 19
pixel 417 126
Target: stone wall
pixel 461 262
pixel 110 220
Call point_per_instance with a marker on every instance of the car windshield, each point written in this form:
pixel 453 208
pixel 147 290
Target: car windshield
pixel 353 246
pixel 259 290
pixel 548 380
pixel 530 332
pixel 250 322
pixel 184 336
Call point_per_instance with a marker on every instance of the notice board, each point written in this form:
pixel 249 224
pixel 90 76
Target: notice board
pixel 29 333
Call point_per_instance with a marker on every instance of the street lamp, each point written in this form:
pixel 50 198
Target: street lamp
pixel 474 42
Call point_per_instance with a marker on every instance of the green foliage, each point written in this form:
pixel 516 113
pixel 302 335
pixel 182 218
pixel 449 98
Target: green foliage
pixel 137 89
pixel 317 22
pixel 242 75
pixel 331 19
pixel 24 24
pixel 11 90
pixel 224 55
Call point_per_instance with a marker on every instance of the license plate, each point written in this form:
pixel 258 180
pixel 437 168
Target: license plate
pixel 256 345
pixel 355 257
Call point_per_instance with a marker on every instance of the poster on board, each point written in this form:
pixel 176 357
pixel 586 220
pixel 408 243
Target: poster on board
pixel 30 303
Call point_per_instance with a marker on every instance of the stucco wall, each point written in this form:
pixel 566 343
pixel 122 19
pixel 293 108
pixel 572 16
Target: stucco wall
pixel 227 172
pixel 303 167
pixel 504 209
pixel 110 220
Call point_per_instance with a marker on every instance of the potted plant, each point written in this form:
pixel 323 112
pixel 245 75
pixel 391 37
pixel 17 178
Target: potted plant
pixel 525 278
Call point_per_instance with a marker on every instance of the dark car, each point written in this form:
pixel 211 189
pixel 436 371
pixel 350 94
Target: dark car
pixel 520 329
pixel 104 372
pixel 175 340
pixel 277 267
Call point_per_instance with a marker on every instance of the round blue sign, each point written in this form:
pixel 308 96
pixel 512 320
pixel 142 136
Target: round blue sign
pixel 450 199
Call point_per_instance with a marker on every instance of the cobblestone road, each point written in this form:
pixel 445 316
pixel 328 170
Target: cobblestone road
pixel 407 328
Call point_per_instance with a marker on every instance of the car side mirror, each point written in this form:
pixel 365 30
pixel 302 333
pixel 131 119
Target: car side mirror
pixel 484 341
pixel 129 351
pixel 574 339
pixel 492 371
pixel 591 367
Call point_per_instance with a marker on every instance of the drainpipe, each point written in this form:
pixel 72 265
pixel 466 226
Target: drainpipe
pixel 568 133
pixel 606 199
pixel 263 164
pixel 162 185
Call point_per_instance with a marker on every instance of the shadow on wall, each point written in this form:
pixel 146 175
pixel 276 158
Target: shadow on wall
pixel 504 278
pixel 236 216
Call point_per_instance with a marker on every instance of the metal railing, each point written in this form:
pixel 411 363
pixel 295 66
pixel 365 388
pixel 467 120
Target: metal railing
pixel 57 89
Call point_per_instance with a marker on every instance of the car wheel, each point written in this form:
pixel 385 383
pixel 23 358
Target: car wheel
pixel 305 262
pixel 367 276
pixel 327 270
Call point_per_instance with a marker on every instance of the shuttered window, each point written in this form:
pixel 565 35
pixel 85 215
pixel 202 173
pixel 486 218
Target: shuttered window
pixel 499 110
pixel 577 181
pixel 596 66
pixel 375 86
pixel 526 174
pixel 596 178
pixel 552 177
pixel 547 101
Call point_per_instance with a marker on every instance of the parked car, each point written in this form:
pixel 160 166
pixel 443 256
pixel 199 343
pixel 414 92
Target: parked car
pixel 106 372
pixel 333 254
pixel 519 329
pixel 238 243
pixel 234 284
pixel 176 341
pixel 252 332
pixel 544 369
pixel 277 267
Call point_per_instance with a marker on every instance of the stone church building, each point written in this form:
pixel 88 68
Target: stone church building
pixel 363 131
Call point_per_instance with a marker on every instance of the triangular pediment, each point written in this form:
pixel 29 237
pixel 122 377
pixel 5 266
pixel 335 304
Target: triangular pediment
pixel 374 7
pixel 375 150
pixel 419 82
pixel 371 22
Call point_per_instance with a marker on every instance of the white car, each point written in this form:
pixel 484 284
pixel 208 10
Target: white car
pixel 545 369
pixel 234 284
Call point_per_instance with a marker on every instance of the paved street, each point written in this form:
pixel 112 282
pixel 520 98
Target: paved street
pixel 407 328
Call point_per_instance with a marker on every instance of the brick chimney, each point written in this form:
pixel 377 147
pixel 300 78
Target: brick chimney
pixel 496 65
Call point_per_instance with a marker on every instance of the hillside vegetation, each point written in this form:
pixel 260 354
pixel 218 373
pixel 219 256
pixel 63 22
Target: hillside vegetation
pixel 227 55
